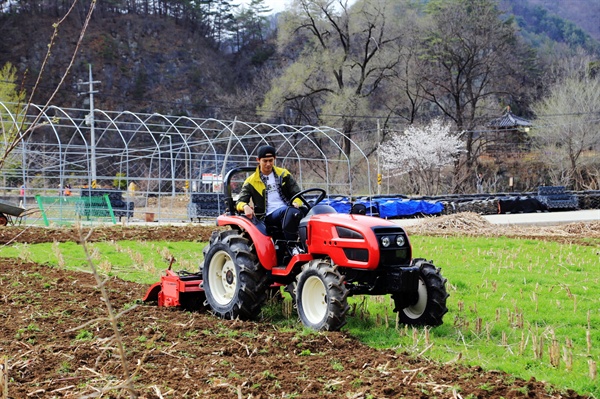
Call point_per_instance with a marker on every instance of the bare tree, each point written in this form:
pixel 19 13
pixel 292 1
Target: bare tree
pixel 472 61
pixel 400 96
pixel 567 129
pixel 339 56
pixel 19 132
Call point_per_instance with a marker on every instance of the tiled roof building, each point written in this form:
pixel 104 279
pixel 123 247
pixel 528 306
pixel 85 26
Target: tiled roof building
pixel 507 134
pixel 509 121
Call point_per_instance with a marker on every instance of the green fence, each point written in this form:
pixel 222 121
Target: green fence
pixel 66 210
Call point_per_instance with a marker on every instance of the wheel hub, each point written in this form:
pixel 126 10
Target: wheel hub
pixel 229 277
pixel 314 298
pixel 223 278
pixel 416 309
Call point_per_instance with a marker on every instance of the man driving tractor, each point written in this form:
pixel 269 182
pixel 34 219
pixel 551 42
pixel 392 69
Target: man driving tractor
pixel 325 258
pixel 266 194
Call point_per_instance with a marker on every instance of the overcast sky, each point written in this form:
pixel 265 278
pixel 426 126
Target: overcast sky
pixel 275 5
pixel 280 5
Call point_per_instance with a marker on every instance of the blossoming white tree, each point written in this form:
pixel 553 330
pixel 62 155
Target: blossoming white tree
pixel 421 153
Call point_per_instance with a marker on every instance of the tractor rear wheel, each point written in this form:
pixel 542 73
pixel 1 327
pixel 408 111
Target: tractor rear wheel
pixel 430 306
pixel 234 281
pixel 321 296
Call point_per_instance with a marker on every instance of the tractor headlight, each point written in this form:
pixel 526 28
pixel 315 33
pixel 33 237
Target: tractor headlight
pixel 385 241
pixel 400 241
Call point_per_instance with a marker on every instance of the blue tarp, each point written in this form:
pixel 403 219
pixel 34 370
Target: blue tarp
pixel 422 206
pixel 389 207
pixel 341 205
pixel 405 207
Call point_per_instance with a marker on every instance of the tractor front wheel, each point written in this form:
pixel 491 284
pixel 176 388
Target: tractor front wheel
pixel 321 296
pixel 234 282
pixel 430 306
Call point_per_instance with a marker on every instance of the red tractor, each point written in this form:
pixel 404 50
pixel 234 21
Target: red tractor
pixel 336 256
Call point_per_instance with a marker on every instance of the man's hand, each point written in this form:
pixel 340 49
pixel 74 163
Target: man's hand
pixel 248 211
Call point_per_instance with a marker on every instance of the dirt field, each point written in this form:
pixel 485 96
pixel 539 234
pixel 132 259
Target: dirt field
pixel 56 341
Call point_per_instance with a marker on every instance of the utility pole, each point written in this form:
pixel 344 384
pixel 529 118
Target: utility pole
pixel 89 120
pixel 378 158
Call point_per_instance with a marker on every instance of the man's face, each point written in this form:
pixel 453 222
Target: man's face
pixel 266 165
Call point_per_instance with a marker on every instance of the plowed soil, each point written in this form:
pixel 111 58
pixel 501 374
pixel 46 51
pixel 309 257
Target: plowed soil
pixel 56 341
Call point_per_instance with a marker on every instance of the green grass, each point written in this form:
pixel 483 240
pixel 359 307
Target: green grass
pixel 137 261
pixel 526 307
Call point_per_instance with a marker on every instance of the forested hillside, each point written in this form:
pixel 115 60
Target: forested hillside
pixel 174 57
pixel 386 63
pixel 583 13
pixel 148 56
pixel 573 22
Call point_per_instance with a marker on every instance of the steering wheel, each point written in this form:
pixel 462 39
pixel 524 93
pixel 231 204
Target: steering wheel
pixel 300 195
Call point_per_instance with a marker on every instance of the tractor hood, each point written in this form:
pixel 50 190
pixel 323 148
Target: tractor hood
pixel 354 240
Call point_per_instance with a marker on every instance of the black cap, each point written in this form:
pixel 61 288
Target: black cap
pixel 266 151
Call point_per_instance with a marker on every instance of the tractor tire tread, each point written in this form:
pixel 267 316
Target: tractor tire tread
pixel 253 279
pixel 337 295
pixel 436 296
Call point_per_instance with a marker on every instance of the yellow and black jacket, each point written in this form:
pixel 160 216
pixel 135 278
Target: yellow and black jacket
pixel 254 189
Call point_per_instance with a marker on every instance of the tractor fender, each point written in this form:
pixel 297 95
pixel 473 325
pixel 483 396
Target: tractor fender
pixel 263 244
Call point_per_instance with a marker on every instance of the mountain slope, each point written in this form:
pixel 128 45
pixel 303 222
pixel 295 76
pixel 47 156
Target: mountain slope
pixel 144 63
